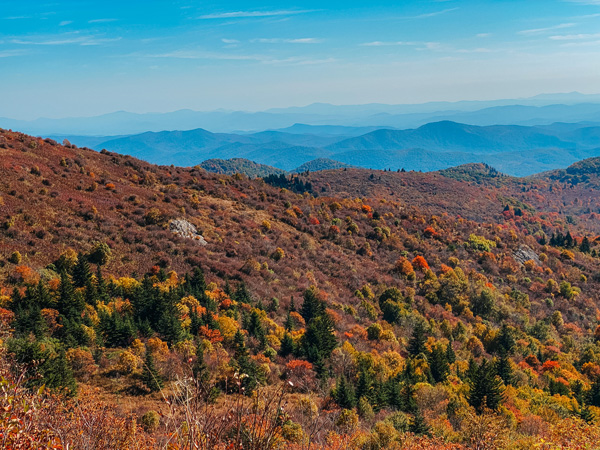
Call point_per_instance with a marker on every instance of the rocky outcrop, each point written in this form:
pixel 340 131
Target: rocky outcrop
pixel 525 253
pixel 183 228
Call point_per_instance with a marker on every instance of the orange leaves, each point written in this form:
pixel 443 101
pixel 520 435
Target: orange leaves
pixel 404 267
pixel 314 221
pixel 420 263
pixel 550 366
pixel 26 274
pixel 298 364
pixel 430 232
pixel 213 336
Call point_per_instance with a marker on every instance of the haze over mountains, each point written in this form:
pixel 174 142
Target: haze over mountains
pixel 519 137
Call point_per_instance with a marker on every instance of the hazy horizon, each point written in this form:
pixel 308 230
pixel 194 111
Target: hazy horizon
pixel 74 59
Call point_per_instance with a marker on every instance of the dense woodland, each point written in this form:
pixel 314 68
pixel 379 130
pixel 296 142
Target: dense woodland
pixel 376 309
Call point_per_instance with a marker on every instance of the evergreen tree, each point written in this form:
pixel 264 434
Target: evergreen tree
pixel 150 376
pixel 57 374
pixel 312 306
pixel 287 345
pixel 586 414
pixel 241 294
pixel 319 339
pixel 364 386
pixel 416 343
pixel 81 272
pixel 450 355
pixel 505 341
pixel 344 394
pixel 418 425
pixel 438 365
pixel 486 388
pixel 585 246
pixel 504 369
pixel 289 323
pixel 594 394
pixel 200 369
pixel 255 328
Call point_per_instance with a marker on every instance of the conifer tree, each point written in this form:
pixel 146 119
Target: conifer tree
pixel 450 355
pixel 418 425
pixel 416 344
pixel 150 376
pixel 81 272
pixel 344 394
pixel 58 374
pixel 486 388
pixel 438 365
pixel 287 345
pixel 594 394
pixel 312 306
pixel 504 369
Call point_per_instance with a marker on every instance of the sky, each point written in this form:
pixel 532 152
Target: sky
pixel 83 58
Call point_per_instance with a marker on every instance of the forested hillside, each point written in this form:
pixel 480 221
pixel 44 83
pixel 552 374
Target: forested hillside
pixel 148 306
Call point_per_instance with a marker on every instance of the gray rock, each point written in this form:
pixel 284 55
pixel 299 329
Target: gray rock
pixel 183 228
pixel 525 253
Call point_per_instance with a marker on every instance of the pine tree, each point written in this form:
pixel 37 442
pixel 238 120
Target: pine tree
pixel 289 323
pixel 438 365
pixel 364 386
pixel 416 344
pixel 344 394
pixel 586 414
pixel 450 355
pixel 241 294
pixel 200 369
pixel 312 306
pixel 319 339
pixel 150 376
pixel 594 394
pixel 585 246
pixel 486 388
pixel 287 345
pixel 81 272
pixel 504 369
pixel 57 373
pixel 418 425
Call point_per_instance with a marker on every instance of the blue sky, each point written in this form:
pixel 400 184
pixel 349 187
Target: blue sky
pixel 74 58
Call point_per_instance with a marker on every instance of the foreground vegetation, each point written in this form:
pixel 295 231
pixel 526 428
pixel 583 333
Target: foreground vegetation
pixel 294 321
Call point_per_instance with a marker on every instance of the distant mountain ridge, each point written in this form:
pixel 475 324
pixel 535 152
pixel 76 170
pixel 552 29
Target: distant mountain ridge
pixel 544 109
pixel 512 149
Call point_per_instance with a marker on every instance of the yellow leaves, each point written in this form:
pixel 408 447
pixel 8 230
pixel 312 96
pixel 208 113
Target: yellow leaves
pixel 127 283
pixel 158 347
pixel 138 348
pixel 228 327
pixel 128 362
pixel 186 348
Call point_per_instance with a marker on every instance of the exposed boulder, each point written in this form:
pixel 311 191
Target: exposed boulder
pixel 525 253
pixel 183 228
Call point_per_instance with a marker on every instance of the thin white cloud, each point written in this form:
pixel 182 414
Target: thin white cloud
pixel 12 53
pixel 250 14
pixel 204 55
pixel 483 35
pixel 547 29
pixel 230 41
pixel 287 41
pixel 585 2
pixel 433 14
pixel 389 44
pixel 65 23
pixel 102 20
pixel 574 37
pixel 66 39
